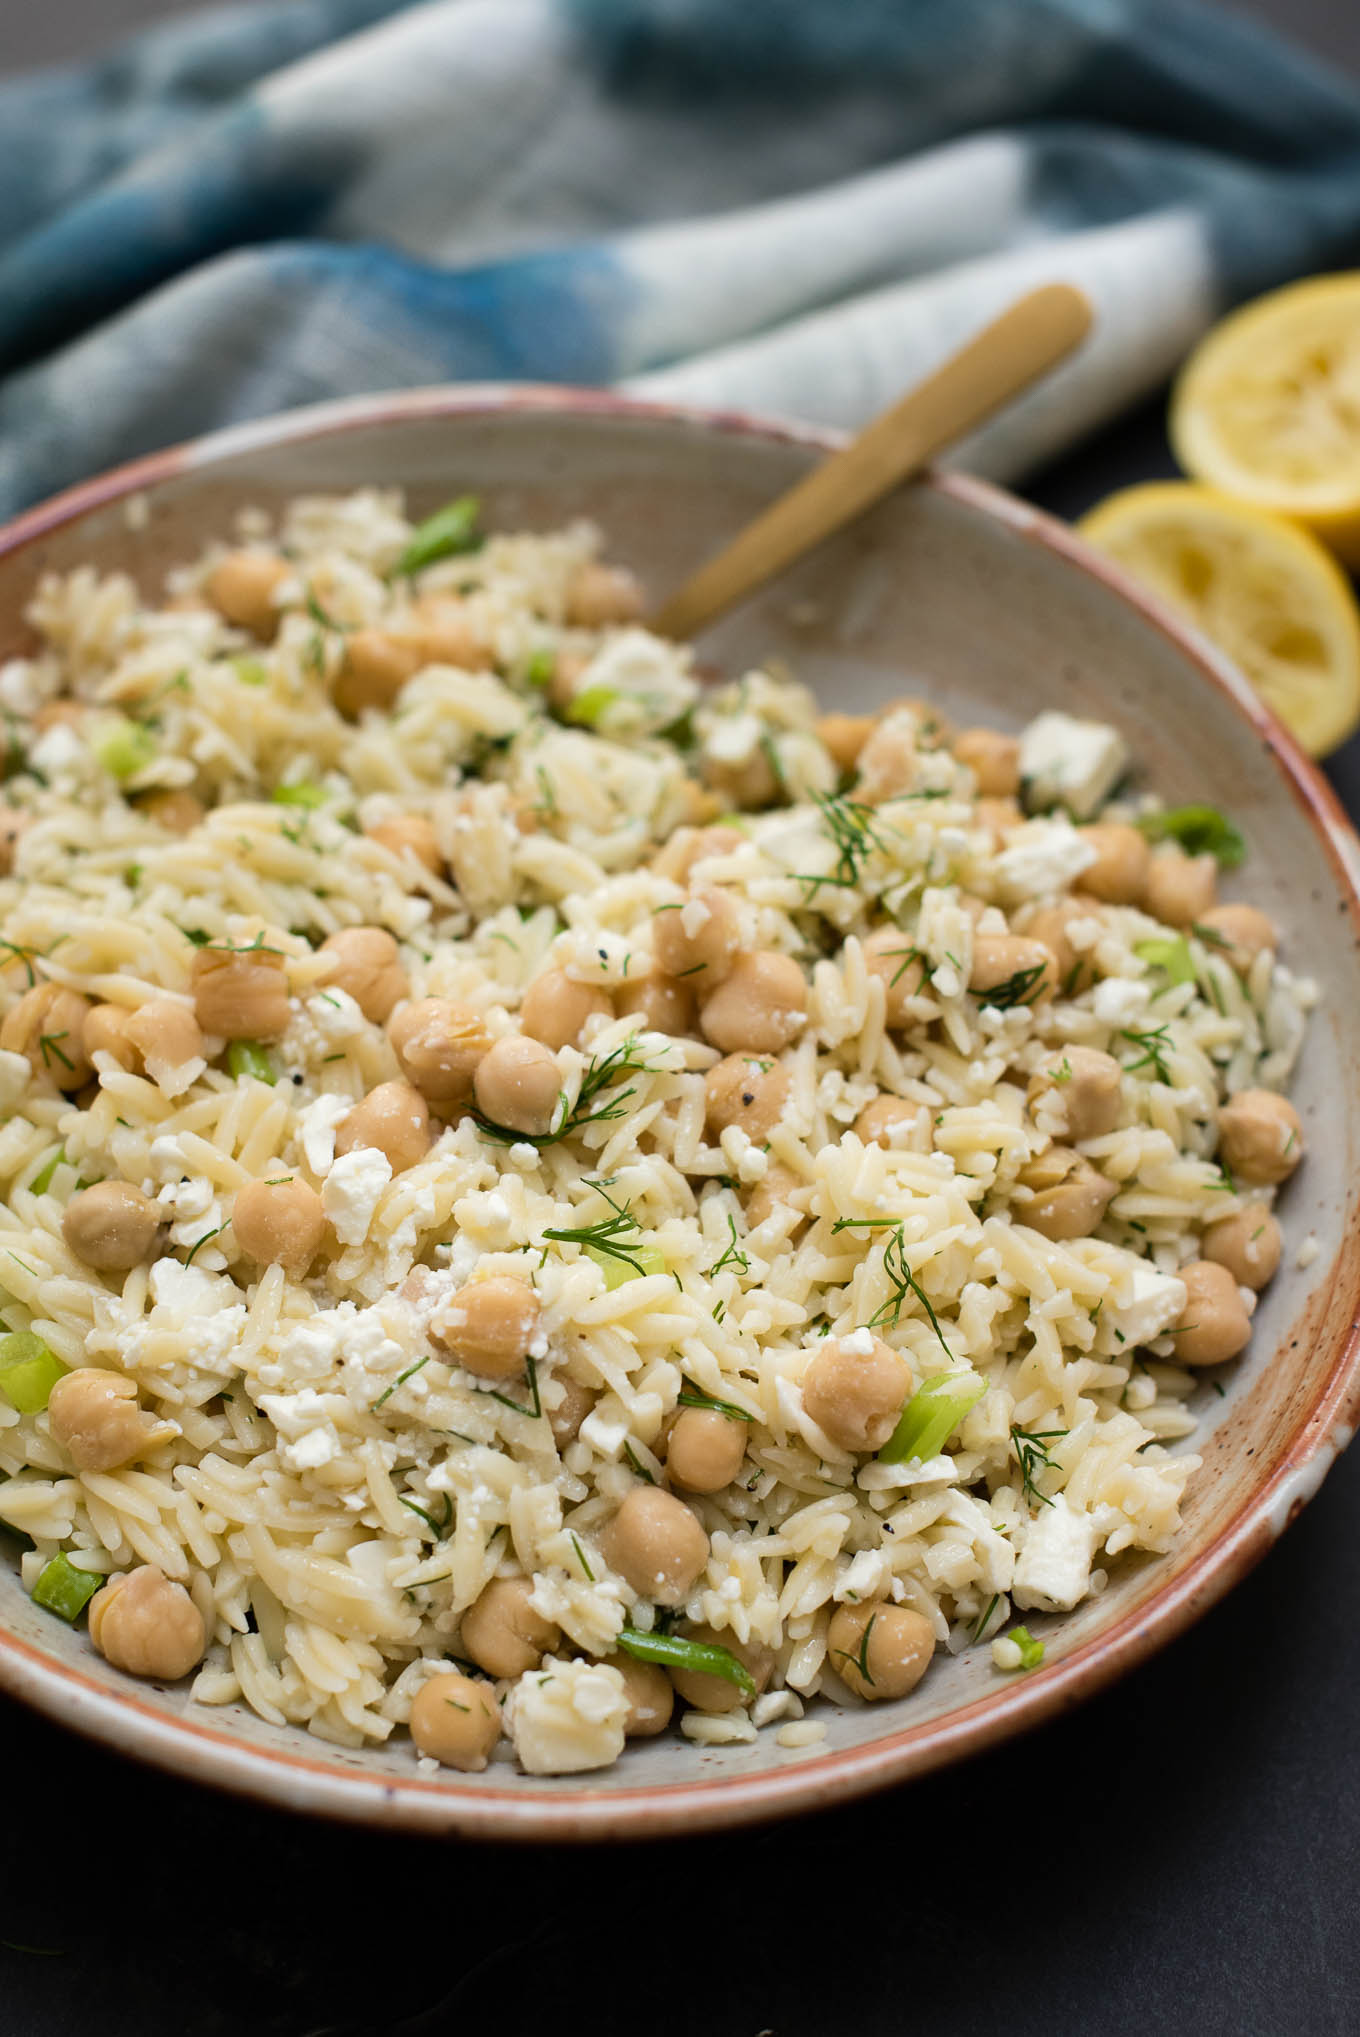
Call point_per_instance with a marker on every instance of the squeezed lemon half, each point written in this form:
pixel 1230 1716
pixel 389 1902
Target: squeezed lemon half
pixel 1268 407
pixel 1260 588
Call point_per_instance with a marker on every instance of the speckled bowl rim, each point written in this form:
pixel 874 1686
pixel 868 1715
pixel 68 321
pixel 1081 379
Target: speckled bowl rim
pixel 303 1780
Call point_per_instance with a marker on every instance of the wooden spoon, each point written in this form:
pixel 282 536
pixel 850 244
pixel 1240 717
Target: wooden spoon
pixel 1025 342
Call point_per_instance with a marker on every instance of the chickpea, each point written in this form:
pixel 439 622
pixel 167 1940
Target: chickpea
pixel 165 1035
pixel 902 970
pixel 775 1190
pixel 1240 933
pixel 650 1694
pixel 501 1631
pixel 395 1119
pixel 715 1693
pixel 517 1084
pixel 697 939
pixel 439 1045
pixel 745 1091
pixel 489 1326
pixel 934 730
pixel 110 1226
pixel 12 825
pixel 241 993
pixel 1051 925
pixel 377 665
pixel 1012 958
pixel 1089 1086
pixel 566 1418
pixel 660 1003
pixel 48 1025
pixel 855 1395
pixel 1248 1244
pixel 1259 1136
pixel 1120 871
pixel 144 1624
pixel 656 1544
pixel 705 1450
pixel 1215 1325
pixel 60 714
pixel 1070 1195
pixel 279 1222
pixel 365 962
pixel 242 586
pixel 887 763
pixel 760 1006
pixel 998 816
pixel 1180 889
pixel 95 1417
pixel 993 759
pixel 179 813
pixel 106 1032
pixel 448 633
pixel 409 834
pixel 843 736
pixel 456 1720
pixel 555 1008
pixel 688 846
pixel 598 595
pixel 879 1650
pixel 887 1121
pixel 747 782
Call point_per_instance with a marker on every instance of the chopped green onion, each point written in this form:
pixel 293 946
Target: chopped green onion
pixel 541 668
pixel 1171 956
pixel 451 529
pixel 1031 1651
pixel 703 1658
pixel 931 1416
pixel 303 794
pixel 644 1259
pixel 43 1181
pixel 251 671
pixel 1200 830
pixel 248 1057
pixel 124 749
pixel 589 707
pixel 63 1589
pixel 28 1371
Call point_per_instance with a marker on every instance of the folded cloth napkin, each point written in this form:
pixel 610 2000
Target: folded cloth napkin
pixel 788 205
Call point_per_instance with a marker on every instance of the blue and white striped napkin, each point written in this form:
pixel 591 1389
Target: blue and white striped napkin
pixel 788 205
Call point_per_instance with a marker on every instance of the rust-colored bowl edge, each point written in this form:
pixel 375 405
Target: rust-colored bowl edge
pixel 304 1782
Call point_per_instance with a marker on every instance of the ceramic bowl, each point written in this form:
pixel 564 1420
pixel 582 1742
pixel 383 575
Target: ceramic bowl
pixel 951 588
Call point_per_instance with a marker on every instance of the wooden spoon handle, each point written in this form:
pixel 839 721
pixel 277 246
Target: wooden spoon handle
pixel 1037 332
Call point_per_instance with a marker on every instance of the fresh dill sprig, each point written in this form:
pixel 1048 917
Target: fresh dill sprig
pixel 1031 1449
pixel 732 1256
pixel 981 1624
pixel 199 1243
pixel 694 1397
pixel 853 828
pixel 1155 1045
pixel 1024 987
pixel 903 1281
pixel 637 1464
pixel 47 1043
pixel 22 955
pixel 618 1236
pixel 860 1658
pixel 401 1380
pixel 438 1528
pixel 535 1407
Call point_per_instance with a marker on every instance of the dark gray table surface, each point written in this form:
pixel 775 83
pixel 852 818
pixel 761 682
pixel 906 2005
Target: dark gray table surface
pixel 1180 1855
